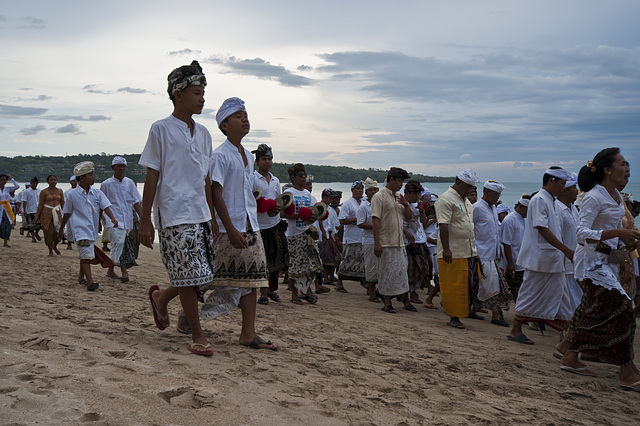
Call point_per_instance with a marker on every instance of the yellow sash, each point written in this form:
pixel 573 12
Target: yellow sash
pixel 454 287
pixel 7 207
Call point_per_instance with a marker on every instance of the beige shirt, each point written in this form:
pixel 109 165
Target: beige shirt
pixel 385 206
pixel 453 210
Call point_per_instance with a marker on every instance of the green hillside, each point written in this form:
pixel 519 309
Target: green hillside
pixel 23 168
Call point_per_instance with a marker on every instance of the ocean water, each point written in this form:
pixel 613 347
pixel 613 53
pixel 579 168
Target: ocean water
pixel 510 195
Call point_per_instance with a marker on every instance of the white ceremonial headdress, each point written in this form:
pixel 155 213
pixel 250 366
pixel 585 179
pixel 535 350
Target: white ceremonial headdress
pixel 83 167
pixel 370 183
pixel 492 185
pixel 558 173
pixel 571 180
pixel 524 201
pixel 426 192
pixel 118 160
pixel 468 176
pixel 502 208
pixel 228 107
pixel 72 178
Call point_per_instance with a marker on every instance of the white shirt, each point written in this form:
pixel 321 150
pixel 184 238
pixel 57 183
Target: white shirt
pixel 569 222
pixel 363 215
pixel 331 223
pixel 512 232
pixel 352 234
pixel 123 195
pixel 598 212
pixel 536 254
pixel 85 208
pixel 5 195
pixel 32 198
pixel 270 191
pixel 237 181
pixel 300 199
pixel 183 162
pixel 414 226
pixel 486 230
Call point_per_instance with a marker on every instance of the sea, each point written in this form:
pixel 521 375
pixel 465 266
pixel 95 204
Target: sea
pixel 510 196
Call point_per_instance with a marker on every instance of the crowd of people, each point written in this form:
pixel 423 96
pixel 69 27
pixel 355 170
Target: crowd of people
pixel 228 228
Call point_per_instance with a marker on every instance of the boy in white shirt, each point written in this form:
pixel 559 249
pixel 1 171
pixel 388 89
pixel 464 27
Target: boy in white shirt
pixel 177 157
pixel 242 263
pixel 85 203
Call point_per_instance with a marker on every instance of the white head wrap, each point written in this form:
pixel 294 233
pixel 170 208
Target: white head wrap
pixel 426 192
pixel 524 202
pixel 434 198
pixel 572 180
pixel 468 176
pixel 83 167
pixel 72 178
pixel 502 208
pixel 118 160
pixel 370 183
pixel 493 186
pixel 558 173
pixel 228 107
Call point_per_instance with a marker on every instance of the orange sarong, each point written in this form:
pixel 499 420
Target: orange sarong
pixel 454 287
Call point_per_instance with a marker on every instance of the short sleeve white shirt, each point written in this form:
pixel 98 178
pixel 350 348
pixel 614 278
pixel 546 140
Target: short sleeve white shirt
pixel 512 232
pixel 363 215
pixel 569 222
pixel 32 197
pixel 237 181
pixel 352 234
pixel 536 254
pixel 183 162
pixel 84 207
pixel 414 226
pixel 123 195
pixel 486 230
pixel 270 191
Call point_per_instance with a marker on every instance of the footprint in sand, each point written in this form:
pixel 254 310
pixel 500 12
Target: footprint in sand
pixel 187 397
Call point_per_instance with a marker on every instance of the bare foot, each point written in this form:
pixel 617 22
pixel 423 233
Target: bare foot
pixel 112 274
pixel 57 251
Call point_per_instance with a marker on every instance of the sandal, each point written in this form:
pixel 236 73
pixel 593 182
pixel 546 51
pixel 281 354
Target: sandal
pixel 274 296
pixel 297 301
pixel 312 299
pixel 263 300
pixel 430 306
pixel 200 349
pixel 389 309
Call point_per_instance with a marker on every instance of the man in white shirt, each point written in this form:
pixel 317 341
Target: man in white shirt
pixel 328 242
pixel 512 232
pixel 492 290
pixel 68 232
pixel 542 254
pixel 365 222
pixel 352 263
pixel 123 195
pixel 272 227
pixel 30 200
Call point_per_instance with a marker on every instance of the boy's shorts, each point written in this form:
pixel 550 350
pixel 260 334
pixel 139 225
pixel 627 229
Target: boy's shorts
pixel 85 250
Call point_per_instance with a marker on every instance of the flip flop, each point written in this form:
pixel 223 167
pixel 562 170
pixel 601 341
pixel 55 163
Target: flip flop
pixel 93 286
pixel 458 325
pixel 263 300
pixel 274 296
pixel 297 301
pixel 584 371
pixel 520 339
pixel 430 306
pixel 204 351
pixel 258 341
pixel 632 387
pixel 156 316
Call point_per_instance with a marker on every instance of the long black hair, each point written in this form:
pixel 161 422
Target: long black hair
pixel 593 172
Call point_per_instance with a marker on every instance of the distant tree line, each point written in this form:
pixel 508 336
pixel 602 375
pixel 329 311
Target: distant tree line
pixel 23 168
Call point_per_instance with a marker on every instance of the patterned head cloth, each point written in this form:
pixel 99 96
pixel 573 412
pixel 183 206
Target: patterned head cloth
pixel 328 192
pixel 413 186
pixel 118 160
pixel 494 186
pixel 468 176
pixel 356 184
pixel 295 169
pixel 228 107
pixel 263 150
pixel 370 183
pixel 310 178
pixel 185 76
pixel 83 168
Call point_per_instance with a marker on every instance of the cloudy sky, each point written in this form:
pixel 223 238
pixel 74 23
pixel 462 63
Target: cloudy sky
pixel 505 87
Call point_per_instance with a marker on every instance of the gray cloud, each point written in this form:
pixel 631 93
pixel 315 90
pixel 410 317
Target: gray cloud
pixel 28 131
pixel 132 90
pixel 76 118
pixel 184 52
pixel 91 88
pixel 32 22
pixel 70 128
pixel 17 111
pixel 262 69
pixel 304 68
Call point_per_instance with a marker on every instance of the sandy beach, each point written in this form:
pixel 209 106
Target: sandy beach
pixel 69 356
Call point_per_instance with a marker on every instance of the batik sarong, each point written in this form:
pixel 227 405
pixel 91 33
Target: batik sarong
pixel 304 261
pixel 187 253
pixel 352 263
pixel 392 272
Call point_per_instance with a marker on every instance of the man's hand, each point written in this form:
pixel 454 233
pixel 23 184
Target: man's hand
pixel 377 250
pixel 447 256
pixel 146 234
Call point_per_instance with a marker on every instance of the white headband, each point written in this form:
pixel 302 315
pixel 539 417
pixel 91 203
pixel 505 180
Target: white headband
pixel 524 202
pixel 571 180
pixel 493 186
pixel 468 176
pixel 557 173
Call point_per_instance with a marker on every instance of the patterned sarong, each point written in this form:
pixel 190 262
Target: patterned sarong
pixel 187 253
pixel 392 272
pixel 352 263
pixel 304 261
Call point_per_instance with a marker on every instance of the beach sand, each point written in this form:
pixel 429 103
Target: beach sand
pixel 69 356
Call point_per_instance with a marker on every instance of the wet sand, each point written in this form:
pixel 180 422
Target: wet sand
pixel 69 356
